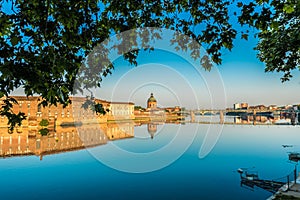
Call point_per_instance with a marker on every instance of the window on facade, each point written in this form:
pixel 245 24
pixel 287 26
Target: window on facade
pixel 39 108
pixel 38 144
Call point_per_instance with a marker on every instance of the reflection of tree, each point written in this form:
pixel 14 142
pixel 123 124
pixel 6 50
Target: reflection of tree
pixel 44 124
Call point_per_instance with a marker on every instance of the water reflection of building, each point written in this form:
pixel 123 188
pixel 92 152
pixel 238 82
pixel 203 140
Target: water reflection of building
pixel 117 131
pixel 63 140
pixel 152 129
pixel 250 119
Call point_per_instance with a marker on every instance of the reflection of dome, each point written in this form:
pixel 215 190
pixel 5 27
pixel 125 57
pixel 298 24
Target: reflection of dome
pixel 152 128
pixel 151 98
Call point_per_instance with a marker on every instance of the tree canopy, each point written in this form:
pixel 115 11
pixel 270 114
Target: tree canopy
pixel 44 43
pixel 278 25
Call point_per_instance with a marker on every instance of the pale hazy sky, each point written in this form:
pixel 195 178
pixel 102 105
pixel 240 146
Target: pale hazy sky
pixel 174 81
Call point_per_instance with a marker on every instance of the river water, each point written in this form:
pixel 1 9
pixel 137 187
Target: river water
pixel 161 161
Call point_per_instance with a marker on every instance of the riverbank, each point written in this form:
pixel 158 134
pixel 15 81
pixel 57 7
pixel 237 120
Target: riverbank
pixel 288 194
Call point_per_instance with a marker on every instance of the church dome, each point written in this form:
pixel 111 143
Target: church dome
pixel 151 98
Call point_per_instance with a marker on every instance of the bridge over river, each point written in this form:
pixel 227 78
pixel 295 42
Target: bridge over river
pixel 237 112
pixel 242 113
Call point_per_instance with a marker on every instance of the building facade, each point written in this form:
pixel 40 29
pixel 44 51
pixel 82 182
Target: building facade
pixel 72 114
pixel 120 111
pixel 238 106
pixel 151 103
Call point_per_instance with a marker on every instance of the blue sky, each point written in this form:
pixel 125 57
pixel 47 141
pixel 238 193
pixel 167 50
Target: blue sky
pixel 176 80
pixel 240 78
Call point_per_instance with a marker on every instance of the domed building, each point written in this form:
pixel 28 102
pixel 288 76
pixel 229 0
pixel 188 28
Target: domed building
pixel 151 103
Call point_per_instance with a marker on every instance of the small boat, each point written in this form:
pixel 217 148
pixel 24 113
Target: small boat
pixel 246 175
pixel 286 145
pixel 251 177
pixel 240 171
pixel 294 157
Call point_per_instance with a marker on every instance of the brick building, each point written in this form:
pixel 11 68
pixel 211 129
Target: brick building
pixel 72 114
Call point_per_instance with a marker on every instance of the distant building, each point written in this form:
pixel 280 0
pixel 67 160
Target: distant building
pixel 236 106
pixel 272 107
pixel 151 103
pixel 154 113
pixel 288 106
pixel 259 107
pixel 173 109
pixel 262 107
pixel 244 105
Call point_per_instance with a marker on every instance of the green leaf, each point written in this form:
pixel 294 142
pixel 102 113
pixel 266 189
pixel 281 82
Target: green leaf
pixel 14 40
pixel 288 8
pixel 275 25
pixel 245 36
pixel 262 1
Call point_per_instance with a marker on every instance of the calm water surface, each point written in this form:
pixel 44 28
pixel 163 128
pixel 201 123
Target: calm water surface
pixel 82 175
